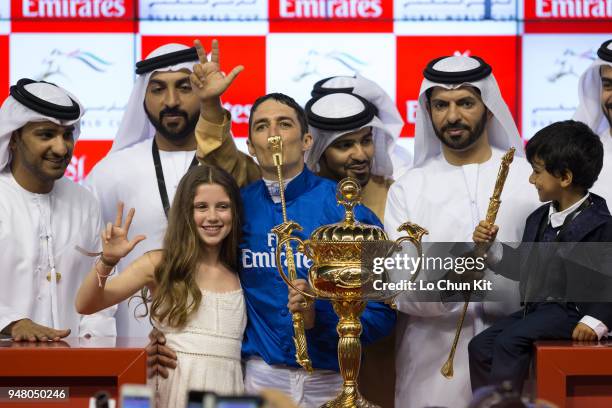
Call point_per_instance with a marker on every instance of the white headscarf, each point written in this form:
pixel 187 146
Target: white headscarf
pixel 135 126
pixel 501 128
pixel 589 109
pixel 386 125
pixel 342 105
pixel 370 90
pixel 14 115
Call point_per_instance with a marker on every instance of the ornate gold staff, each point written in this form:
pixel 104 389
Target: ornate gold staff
pixel 494 202
pixel 299 337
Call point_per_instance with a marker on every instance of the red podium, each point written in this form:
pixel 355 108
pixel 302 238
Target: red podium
pixel 574 374
pixel 83 366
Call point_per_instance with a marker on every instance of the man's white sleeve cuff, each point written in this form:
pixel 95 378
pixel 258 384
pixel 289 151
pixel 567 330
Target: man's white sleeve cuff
pixel 598 326
pixel 495 253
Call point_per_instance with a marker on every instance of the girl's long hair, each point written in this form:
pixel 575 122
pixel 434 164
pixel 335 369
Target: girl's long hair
pixel 177 295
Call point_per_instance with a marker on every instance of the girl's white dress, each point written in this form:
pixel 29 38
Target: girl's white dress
pixel 207 349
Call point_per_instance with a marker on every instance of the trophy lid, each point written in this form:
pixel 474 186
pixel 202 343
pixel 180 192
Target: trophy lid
pixel 348 195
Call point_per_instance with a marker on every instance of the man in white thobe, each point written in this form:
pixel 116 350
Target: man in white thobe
pixel 43 217
pixel 463 129
pixel 153 149
pixel 595 110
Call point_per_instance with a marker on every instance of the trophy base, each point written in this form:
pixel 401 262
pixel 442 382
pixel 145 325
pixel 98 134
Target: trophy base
pixel 349 398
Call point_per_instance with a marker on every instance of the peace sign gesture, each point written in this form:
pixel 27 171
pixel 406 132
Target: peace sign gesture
pixel 207 79
pixel 115 243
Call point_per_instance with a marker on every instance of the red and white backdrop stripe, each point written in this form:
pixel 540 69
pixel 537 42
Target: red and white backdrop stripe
pixel 537 48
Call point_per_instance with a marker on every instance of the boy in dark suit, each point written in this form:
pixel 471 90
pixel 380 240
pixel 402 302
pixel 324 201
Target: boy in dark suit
pixel 566 158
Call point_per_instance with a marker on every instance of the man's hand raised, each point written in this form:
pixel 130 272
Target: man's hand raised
pixel 208 82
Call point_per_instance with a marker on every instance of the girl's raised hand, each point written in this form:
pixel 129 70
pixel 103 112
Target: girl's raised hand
pixel 115 243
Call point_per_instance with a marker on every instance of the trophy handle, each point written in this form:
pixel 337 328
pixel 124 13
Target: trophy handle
pixel 415 235
pixel 279 265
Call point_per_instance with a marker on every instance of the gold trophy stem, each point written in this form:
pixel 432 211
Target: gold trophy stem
pixel 349 354
pixel 494 202
pixel 299 335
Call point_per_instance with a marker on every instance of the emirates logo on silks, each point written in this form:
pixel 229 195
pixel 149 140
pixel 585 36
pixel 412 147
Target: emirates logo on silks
pixel 331 15
pixel 52 15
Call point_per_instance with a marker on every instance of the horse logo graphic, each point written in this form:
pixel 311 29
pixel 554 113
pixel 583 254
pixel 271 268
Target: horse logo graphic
pixel 56 59
pixel 571 64
pixel 326 64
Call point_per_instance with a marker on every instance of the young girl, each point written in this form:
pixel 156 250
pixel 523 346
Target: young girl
pixel 196 296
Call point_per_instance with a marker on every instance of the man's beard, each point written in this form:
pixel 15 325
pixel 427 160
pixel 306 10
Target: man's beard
pixel 337 174
pixel 36 167
pixel 171 134
pixel 364 177
pixel 472 138
pixel 607 111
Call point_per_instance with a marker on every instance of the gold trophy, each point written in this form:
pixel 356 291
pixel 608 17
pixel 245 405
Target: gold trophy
pixel 299 336
pixel 339 274
pixel 494 202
